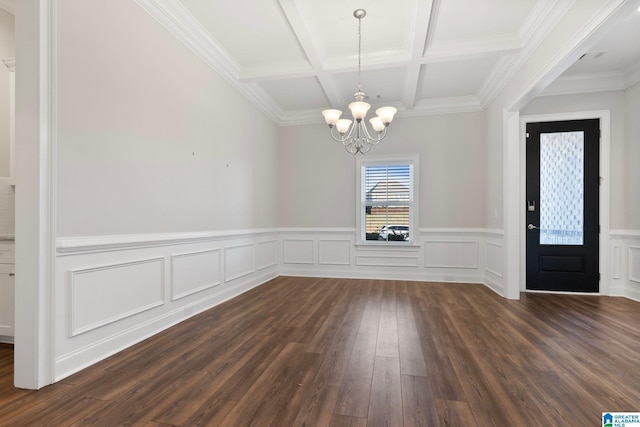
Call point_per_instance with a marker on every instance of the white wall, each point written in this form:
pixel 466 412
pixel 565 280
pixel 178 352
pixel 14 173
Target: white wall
pixel 150 139
pixel 631 159
pixel 166 182
pixel 318 177
pixel 7 50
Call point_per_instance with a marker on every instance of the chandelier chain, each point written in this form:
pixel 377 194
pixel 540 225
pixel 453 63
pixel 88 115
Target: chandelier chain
pixel 359 51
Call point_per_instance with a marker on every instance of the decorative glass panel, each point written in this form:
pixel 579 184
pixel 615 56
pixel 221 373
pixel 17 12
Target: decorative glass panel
pixel 562 188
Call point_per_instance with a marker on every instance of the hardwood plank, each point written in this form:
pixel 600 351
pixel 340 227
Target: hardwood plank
pixel 334 352
pixel 385 405
pixel 346 421
pixel 353 399
pixel 418 403
pixel 317 409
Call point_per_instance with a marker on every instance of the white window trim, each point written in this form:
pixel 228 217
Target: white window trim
pixel 413 218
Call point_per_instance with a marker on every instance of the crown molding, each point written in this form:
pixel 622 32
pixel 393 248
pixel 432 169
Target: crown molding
pixel 632 75
pixel 586 83
pixel 10 63
pixel 545 16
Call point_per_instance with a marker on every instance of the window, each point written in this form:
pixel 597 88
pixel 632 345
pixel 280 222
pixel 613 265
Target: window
pixel 387 199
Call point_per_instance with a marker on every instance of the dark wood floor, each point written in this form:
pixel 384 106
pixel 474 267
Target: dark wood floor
pixel 336 352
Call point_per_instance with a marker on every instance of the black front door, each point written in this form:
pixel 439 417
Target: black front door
pixel 562 205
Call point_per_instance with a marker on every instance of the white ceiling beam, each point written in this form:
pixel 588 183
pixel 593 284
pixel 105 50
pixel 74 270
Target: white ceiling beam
pixel 299 27
pixel 472 48
pixel 423 21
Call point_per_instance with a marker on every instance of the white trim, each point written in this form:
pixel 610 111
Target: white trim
pixel 36 202
pixel 631 248
pixel 93 244
pixel 414 205
pixel 604 201
pixel 624 234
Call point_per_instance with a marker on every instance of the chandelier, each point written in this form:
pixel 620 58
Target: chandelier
pixel 355 136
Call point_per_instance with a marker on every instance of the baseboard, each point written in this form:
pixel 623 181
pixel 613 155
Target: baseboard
pixel 6 340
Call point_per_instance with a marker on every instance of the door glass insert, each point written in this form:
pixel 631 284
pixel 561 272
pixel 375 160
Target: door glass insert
pixel 562 188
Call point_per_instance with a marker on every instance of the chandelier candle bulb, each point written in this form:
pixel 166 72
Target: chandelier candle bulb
pixel 343 126
pixel 386 114
pixel 377 124
pixel 356 137
pixel 359 110
pixel 331 116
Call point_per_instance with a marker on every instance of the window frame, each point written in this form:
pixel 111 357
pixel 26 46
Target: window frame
pixel 361 164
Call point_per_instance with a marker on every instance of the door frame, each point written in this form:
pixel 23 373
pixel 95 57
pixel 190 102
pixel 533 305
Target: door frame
pixel 604 203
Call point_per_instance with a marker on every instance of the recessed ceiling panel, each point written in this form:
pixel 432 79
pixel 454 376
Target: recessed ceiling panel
pixel 464 19
pixel 255 33
pixel 388 26
pixel 383 86
pixel 296 94
pixel 453 79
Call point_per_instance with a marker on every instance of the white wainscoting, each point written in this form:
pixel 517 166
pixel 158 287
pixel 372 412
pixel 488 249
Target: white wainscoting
pixel 298 251
pixel 239 261
pixel 105 294
pixel 266 254
pixel 624 265
pixel 334 252
pixel 443 255
pixel 193 272
pixel 494 260
pixel 114 291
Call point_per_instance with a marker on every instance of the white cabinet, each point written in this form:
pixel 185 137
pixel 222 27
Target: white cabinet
pixel 7 281
pixel 7 292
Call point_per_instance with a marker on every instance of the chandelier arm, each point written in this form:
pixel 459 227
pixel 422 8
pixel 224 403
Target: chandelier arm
pixel 349 135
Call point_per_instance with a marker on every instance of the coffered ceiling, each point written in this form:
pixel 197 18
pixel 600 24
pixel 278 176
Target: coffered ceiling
pixel 296 57
pixel 293 58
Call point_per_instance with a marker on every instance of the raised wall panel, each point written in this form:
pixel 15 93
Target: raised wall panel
pixel 297 251
pixel 194 272
pixel 494 258
pixel 266 254
pixel 387 261
pixel 451 254
pixel 334 252
pixel 105 294
pixel 616 261
pixel 634 263
pixel 239 261
pixel 7 284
